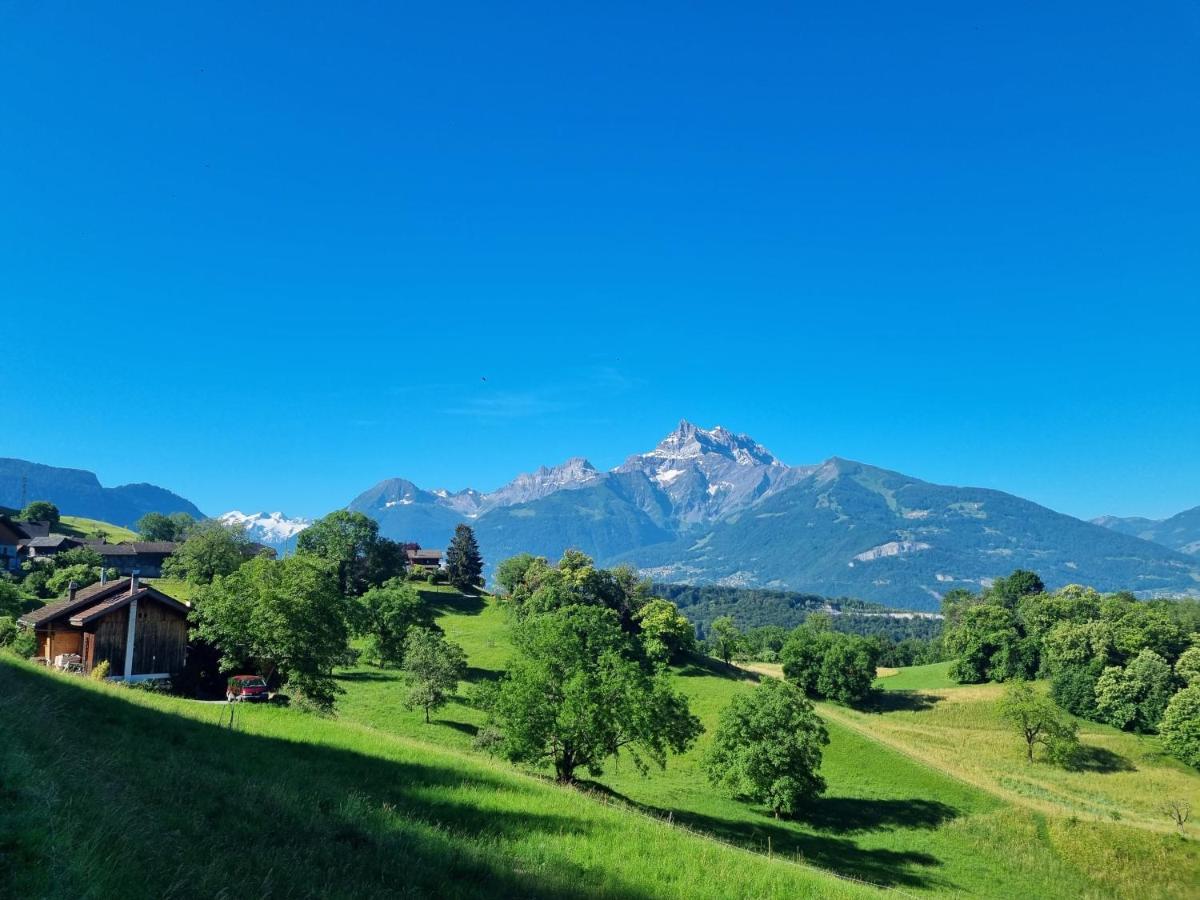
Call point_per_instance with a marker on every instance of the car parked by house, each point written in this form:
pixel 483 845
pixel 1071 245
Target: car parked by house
pixel 247 688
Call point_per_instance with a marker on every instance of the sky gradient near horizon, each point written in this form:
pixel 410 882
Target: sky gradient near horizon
pixel 266 255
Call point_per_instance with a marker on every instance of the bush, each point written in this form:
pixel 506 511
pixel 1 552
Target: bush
pixel 1074 688
pixel 23 645
pixel 8 630
pixel 100 672
pixel 1181 726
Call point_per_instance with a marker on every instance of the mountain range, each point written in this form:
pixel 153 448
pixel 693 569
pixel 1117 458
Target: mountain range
pixel 79 493
pixel 708 506
pixel 1180 532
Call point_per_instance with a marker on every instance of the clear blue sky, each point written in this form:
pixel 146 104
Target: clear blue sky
pixel 264 254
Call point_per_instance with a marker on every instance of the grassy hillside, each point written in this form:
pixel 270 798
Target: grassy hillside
pixel 93 529
pixel 112 792
pixel 927 795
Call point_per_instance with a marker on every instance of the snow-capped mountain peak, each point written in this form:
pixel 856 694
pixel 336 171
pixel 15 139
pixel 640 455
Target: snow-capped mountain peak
pixel 273 529
pixel 710 473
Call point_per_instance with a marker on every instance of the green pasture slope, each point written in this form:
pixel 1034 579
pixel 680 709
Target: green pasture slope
pixel 894 814
pixel 927 796
pixel 92 529
pixel 111 792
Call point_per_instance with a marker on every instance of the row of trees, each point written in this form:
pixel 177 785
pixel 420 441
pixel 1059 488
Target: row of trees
pixel 1110 658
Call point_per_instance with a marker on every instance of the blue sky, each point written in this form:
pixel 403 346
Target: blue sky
pixel 266 254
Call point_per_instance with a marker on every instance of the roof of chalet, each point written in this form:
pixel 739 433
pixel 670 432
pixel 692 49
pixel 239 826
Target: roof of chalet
pixel 88 599
pixel 111 604
pixel 32 529
pixel 424 554
pixel 134 548
pixel 51 540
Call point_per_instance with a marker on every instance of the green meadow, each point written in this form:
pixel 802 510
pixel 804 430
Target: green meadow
pixel 927 794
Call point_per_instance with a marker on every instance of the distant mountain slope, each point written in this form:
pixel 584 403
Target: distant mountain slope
pixel 79 492
pixel 708 506
pixel 858 531
pixel 1180 532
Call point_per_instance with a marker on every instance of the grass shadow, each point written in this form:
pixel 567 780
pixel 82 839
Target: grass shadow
pixel 465 727
pixel 369 675
pixel 880 866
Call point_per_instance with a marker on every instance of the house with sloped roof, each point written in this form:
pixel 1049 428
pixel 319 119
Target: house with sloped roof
pixel 137 629
pixel 145 557
pixel 11 538
pixel 424 559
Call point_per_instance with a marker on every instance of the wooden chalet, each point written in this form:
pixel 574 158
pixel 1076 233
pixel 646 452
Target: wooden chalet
pixel 139 630
pixel 424 559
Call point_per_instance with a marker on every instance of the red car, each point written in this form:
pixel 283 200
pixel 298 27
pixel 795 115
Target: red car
pixel 246 687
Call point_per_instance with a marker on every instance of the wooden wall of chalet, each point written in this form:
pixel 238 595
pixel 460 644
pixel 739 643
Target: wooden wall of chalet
pixel 161 640
pixel 111 632
pixel 159 645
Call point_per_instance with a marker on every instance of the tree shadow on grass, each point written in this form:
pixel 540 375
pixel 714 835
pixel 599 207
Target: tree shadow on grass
pixel 322 819
pixel 465 727
pixel 697 666
pixel 887 868
pixel 369 675
pixel 898 701
pixel 1089 758
pixel 475 675
pixel 850 815
pixel 459 604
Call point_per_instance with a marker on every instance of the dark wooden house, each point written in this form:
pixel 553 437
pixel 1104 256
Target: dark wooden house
pixel 145 557
pixel 139 630
pixel 425 559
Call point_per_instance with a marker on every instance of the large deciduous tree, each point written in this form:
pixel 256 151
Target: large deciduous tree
pixel 665 633
pixel 212 549
pixel 385 615
pixel 1135 697
pixel 40 511
pixel 829 664
pixel 284 616
pixel 464 564
pixel 576 694
pixel 767 748
pixel 352 543
pixel 1180 726
pixel 158 527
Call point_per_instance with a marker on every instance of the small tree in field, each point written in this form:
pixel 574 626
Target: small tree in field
pixel 1178 811
pixel 767 748
pixel 464 564
pixel 1039 721
pixel 434 666
pixel 724 638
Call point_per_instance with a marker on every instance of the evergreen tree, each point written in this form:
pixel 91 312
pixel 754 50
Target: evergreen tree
pixel 464 564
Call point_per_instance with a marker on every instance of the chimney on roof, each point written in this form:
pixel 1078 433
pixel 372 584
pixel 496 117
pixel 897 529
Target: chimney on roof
pixel 103 575
pixel 133 581
pixel 71 589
